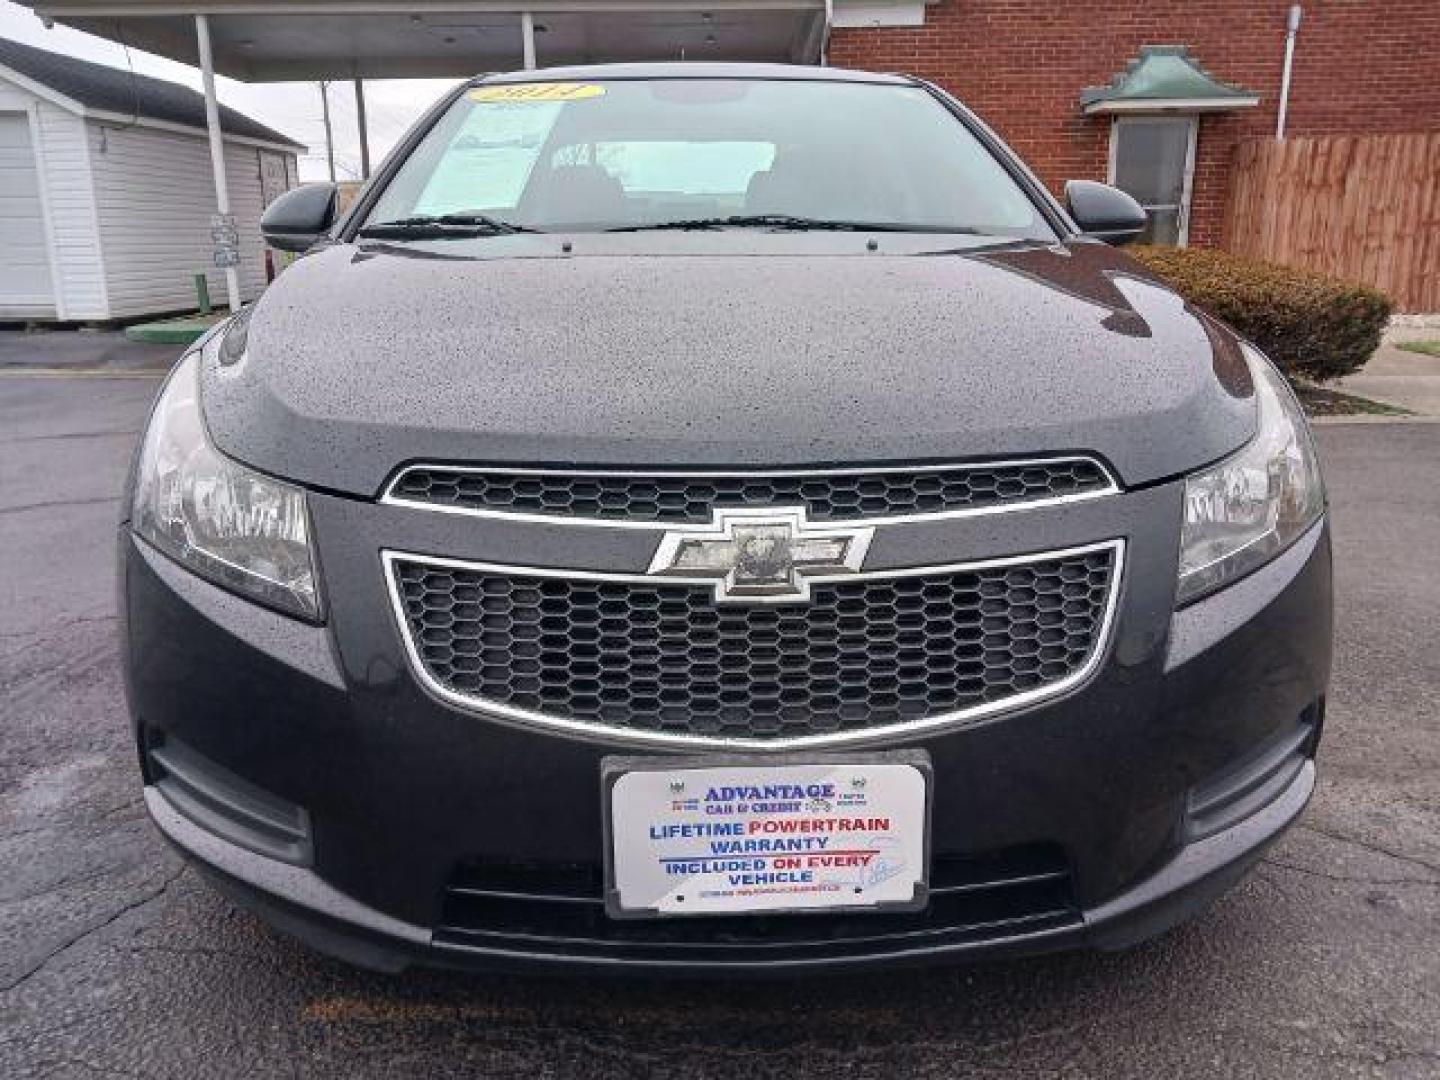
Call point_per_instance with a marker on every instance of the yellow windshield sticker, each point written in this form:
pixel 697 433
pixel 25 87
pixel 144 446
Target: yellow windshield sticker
pixel 522 92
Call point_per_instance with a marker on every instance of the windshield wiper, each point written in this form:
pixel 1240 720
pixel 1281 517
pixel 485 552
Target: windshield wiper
pixel 442 227
pixel 788 222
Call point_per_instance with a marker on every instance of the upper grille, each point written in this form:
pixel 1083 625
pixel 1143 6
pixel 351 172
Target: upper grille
pixel 690 497
pixel 652 659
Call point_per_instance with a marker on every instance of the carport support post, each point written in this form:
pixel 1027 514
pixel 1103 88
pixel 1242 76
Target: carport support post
pixel 217 145
pixel 364 131
pixel 527 39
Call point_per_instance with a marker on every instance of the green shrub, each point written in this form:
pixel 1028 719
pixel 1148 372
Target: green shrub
pixel 1310 325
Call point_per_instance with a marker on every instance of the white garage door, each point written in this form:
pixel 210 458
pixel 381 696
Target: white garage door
pixel 25 284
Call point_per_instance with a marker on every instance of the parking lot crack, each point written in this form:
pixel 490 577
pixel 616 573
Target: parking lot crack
pixel 1057 1032
pixel 1356 879
pixel 203 951
pixel 151 896
pixel 54 504
pixel 88 1066
pixel 123 814
pixel 55 628
pixel 63 435
pixel 56 886
pixel 1371 847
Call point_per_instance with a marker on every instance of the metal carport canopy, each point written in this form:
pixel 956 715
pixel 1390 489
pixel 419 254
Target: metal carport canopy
pixel 285 40
pixel 291 40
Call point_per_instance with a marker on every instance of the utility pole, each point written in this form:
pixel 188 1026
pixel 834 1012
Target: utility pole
pixel 329 135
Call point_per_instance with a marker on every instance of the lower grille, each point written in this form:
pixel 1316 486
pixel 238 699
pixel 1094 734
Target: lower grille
pixel 637 656
pixel 1017 891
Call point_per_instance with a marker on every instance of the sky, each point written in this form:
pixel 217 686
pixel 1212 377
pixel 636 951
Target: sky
pixel 291 108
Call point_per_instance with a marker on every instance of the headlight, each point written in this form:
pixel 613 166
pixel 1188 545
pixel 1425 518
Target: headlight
pixel 242 530
pixel 1243 512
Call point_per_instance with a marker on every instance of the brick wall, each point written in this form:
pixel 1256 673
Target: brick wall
pixel 1360 66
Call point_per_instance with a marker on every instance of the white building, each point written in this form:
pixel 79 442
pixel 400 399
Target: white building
pixel 106 190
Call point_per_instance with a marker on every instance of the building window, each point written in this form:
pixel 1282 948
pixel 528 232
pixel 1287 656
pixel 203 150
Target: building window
pixel 1153 158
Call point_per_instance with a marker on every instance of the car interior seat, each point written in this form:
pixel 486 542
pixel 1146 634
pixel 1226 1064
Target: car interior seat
pixel 579 194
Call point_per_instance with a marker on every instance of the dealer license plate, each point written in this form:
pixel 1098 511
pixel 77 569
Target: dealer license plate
pixel 707 836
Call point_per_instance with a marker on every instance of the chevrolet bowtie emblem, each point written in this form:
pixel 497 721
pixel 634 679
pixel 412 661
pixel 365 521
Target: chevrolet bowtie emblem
pixel 761 555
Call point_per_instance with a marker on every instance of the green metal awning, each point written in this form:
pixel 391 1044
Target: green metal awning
pixel 1165 77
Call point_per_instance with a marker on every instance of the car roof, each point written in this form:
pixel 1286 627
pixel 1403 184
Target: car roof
pixel 697 70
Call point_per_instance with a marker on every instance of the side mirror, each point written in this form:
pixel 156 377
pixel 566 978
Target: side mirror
pixel 1105 212
pixel 300 217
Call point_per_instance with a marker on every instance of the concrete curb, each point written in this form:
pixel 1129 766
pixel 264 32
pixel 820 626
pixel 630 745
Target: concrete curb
pixel 82 373
pixel 182 331
pixel 1371 418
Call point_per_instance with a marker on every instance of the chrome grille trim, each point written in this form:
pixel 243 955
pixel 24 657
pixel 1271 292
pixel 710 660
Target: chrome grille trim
pixel 391 496
pixel 609 733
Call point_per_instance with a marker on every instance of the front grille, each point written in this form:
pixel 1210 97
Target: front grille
pixel 1017 891
pixel 838 495
pixel 646 658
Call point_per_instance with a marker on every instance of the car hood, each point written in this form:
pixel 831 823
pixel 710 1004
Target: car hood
pixel 811 351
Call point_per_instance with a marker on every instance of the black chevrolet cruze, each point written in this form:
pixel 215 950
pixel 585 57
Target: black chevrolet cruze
pixel 715 518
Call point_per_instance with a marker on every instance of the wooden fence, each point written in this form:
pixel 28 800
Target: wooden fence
pixel 1361 207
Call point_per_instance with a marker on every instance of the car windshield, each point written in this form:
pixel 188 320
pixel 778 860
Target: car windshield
pixel 701 153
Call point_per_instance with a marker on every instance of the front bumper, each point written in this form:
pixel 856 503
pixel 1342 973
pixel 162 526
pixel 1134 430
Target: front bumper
pixel 299 902
pixel 1155 785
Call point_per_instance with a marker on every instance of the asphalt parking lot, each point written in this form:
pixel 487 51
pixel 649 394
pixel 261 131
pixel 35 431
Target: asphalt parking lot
pixel 115 960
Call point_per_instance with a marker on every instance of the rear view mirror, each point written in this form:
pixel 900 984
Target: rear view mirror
pixel 1105 212
pixel 301 217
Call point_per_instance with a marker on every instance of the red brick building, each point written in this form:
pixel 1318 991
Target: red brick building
pixel 1360 67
